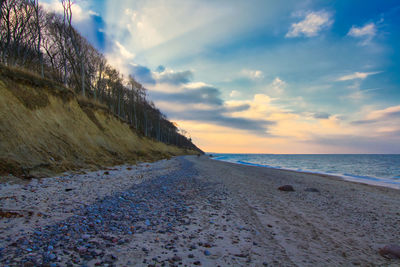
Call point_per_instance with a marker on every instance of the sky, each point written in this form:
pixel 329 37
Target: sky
pixel 260 76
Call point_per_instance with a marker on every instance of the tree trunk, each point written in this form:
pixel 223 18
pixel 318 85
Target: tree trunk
pixel 83 76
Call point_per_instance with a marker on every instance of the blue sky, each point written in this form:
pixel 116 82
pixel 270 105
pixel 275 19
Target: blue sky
pixel 261 76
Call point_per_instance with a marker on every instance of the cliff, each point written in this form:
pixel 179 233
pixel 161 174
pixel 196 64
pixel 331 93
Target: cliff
pixel 46 129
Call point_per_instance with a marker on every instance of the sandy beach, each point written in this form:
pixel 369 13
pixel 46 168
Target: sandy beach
pixel 196 211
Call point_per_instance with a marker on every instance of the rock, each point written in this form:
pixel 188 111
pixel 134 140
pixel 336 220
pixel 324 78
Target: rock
pixel 52 256
pixel 176 258
pixel 390 251
pixel 286 188
pixel 82 250
pixel 190 256
pixel 207 253
pixel 311 189
pixel 85 236
pixel 197 263
pixel 242 255
pixel 68 189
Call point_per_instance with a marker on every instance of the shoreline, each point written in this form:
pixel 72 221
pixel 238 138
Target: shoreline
pixel 367 180
pixel 196 211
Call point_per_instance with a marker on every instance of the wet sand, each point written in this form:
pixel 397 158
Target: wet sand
pixel 197 211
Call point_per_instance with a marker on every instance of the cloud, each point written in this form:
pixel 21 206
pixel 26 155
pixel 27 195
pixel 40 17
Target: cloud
pixel 148 29
pixel 142 74
pixel 311 25
pixel 235 93
pixel 367 32
pixel 357 95
pixel 278 85
pixel 206 94
pixel 163 75
pixel 124 52
pixel 387 114
pixel 203 103
pixel 321 115
pixel 160 68
pixel 357 75
pixel 120 59
pixel 252 74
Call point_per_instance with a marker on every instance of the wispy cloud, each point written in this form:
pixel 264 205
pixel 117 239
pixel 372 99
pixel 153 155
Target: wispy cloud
pixel 385 114
pixel 311 25
pixel 252 74
pixel 366 33
pixel 357 75
pixel 278 85
pixel 124 52
pixel 235 93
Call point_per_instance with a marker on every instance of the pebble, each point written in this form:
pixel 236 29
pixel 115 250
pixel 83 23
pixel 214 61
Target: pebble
pixel 287 188
pixel 176 258
pixel 159 202
pixel 85 236
pixel 390 251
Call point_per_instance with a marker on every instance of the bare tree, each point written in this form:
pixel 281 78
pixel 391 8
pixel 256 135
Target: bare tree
pixel 73 35
pixel 38 16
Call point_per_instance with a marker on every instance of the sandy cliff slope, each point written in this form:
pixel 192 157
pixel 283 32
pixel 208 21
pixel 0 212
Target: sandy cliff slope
pixel 45 128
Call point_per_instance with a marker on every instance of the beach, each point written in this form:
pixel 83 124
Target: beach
pixel 196 211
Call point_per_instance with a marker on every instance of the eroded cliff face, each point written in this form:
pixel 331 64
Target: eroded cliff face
pixel 45 129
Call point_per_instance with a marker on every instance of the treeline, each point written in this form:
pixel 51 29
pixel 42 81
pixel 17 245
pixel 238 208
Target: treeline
pixel 49 45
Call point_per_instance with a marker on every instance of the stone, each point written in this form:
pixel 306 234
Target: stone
pixel 286 188
pixel 85 236
pixel 207 253
pixel 176 258
pixel 390 251
pixel 82 250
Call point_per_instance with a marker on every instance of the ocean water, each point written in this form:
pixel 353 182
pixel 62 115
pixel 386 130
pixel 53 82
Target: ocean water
pixel 379 169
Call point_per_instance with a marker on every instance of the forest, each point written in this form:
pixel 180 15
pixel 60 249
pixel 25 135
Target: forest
pixel 47 44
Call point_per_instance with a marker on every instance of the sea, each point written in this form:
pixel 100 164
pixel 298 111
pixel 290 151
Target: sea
pixel 380 169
